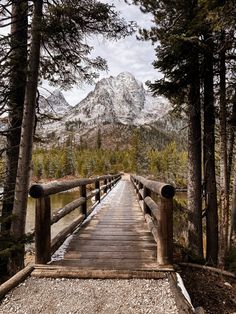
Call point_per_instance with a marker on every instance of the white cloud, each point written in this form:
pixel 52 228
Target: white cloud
pixel 128 54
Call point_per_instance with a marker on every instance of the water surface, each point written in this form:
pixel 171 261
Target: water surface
pixel 57 201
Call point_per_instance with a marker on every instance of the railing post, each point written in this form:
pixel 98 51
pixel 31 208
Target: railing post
pixel 165 236
pixel 146 192
pixel 138 188
pixel 112 181
pixel 105 183
pixel 43 230
pixel 97 186
pixel 83 193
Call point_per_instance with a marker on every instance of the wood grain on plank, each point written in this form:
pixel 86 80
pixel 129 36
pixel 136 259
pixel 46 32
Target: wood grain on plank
pixel 116 238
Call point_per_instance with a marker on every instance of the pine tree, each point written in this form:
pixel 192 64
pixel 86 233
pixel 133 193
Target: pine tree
pixel 99 139
pixel 175 35
pixel 191 39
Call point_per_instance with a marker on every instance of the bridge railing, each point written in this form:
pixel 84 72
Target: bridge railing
pixel 44 247
pixel 156 200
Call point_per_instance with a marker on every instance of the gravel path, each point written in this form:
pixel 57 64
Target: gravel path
pixel 67 296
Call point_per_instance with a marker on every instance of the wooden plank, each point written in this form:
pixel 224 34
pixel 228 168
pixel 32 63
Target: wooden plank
pixel 54 266
pixel 116 237
pixel 116 220
pixel 117 229
pixel 128 264
pixel 122 233
pixel 124 224
pixel 107 255
pixel 69 272
pixel 112 248
pixel 106 242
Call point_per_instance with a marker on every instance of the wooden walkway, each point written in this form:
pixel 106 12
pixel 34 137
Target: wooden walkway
pixel 117 237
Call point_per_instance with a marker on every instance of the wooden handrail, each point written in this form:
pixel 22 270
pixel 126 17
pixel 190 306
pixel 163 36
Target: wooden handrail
pixel 44 247
pixel 163 189
pixel 41 190
pixel 156 200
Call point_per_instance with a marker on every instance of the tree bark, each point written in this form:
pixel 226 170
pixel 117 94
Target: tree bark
pixel 26 143
pixel 209 155
pixel 224 178
pixel 16 101
pixel 233 205
pixel 18 62
pixel 194 163
pixel 233 212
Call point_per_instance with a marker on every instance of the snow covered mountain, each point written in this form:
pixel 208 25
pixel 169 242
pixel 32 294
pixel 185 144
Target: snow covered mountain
pixel 116 107
pixel 54 105
pixel 120 99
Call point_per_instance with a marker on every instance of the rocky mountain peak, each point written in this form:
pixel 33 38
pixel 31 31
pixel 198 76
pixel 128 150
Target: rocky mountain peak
pixel 55 104
pixel 120 99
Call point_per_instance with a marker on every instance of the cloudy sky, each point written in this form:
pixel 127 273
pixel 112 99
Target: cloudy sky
pixel 127 54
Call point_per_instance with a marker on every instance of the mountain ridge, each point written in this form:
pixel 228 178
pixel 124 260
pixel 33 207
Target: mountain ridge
pixel 116 103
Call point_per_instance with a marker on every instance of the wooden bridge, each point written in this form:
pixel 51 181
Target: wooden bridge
pixel 129 236
pixel 131 231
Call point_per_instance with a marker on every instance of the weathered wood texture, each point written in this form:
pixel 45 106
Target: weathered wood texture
pixel 43 221
pixel 15 280
pixel 54 271
pixel 43 230
pixel 117 238
pixel 42 190
pixel 163 189
pixel 156 201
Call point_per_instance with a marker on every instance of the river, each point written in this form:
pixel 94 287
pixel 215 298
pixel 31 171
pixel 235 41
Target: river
pixel 57 201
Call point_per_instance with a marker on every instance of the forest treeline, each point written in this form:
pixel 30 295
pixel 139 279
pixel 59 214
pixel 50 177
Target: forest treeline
pixel 167 164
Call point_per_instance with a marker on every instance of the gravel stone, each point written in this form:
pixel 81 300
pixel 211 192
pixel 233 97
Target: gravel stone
pixel 74 296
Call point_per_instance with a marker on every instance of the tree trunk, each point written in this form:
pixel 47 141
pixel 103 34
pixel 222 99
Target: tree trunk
pixel 18 61
pixel 209 156
pixel 224 179
pixel 233 206
pixel 194 163
pixel 233 212
pixel 26 143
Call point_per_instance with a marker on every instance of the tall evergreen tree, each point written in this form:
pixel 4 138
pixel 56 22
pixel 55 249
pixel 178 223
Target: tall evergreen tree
pixel 26 142
pixel 190 38
pixel 209 153
pixel 176 35
pixel 17 67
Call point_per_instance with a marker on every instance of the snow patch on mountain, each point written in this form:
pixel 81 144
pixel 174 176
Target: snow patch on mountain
pixel 54 104
pixel 120 99
pixel 114 100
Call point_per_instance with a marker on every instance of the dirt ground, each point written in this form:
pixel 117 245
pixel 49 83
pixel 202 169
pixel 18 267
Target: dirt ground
pixel 212 291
